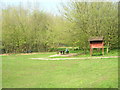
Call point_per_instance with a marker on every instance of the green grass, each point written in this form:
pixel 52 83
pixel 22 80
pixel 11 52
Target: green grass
pixel 21 72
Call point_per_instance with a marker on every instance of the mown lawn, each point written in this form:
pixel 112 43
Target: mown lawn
pixel 21 72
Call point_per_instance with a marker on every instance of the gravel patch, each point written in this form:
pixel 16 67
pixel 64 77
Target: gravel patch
pixel 74 58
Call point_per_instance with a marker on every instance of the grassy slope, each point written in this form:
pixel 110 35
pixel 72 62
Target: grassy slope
pixel 20 71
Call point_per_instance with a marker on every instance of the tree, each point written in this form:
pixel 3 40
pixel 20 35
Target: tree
pixel 92 19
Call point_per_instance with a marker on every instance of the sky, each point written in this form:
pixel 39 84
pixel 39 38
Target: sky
pixel 45 5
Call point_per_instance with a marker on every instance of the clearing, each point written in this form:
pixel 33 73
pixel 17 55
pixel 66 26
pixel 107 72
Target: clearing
pixel 19 71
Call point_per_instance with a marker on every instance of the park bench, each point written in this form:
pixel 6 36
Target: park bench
pixel 63 52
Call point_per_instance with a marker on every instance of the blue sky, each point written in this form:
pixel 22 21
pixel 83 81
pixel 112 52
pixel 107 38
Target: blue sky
pixel 46 5
pixel 50 7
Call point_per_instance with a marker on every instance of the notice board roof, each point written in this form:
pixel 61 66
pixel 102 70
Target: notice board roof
pixel 96 39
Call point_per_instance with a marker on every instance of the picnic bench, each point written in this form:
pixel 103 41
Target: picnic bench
pixel 62 52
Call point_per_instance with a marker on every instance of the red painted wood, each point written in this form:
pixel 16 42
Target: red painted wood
pixel 96 45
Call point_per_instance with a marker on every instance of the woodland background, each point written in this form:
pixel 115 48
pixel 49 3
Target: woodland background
pixel 35 30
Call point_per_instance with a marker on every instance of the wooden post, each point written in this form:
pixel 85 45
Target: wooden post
pixel 91 51
pixel 107 50
pixel 103 51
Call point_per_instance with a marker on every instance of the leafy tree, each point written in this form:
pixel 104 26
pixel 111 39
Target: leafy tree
pixel 92 19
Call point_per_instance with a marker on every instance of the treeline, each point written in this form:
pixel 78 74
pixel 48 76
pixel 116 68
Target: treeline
pixel 25 30
pixel 35 30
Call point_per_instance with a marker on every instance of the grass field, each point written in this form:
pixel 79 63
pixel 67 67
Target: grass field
pixel 21 72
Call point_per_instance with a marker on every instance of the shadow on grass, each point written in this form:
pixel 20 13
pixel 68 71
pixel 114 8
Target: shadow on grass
pixel 97 55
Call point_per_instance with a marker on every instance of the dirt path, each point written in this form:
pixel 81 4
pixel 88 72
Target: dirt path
pixel 75 58
pixel 64 55
pixel 22 53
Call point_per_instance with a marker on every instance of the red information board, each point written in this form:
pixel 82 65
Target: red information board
pixel 96 45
